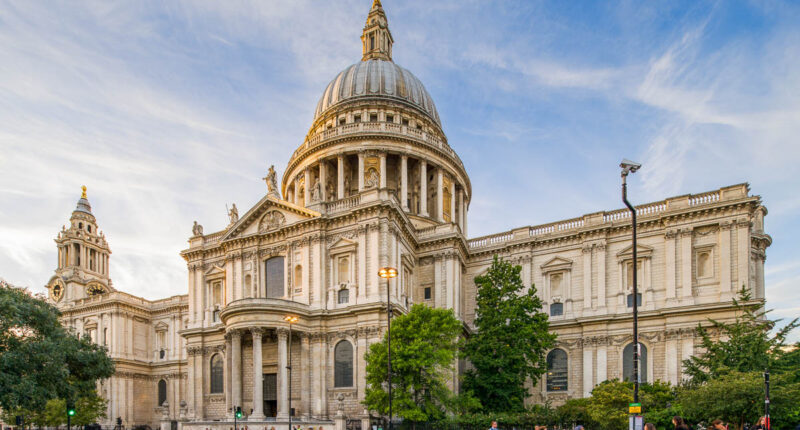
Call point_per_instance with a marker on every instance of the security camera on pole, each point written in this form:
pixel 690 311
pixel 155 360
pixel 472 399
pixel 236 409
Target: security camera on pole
pixel 635 409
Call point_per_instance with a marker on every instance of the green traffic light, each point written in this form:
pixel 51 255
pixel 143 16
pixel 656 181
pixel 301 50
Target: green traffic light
pixel 238 414
pixel 71 412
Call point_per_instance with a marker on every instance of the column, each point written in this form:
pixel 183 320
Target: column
pixel 258 379
pixel 453 218
pixel 743 254
pixel 601 276
pixel 587 277
pixel 686 262
pixel 423 188
pixel 687 349
pixel 671 358
pixel 308 185
pixel 236 368
pixel 669 276
pixel 464 226
pixel 587 371
pixel 305 392
pixel 323 171
pixel 602 363
pixel 199 372
pixel 725 261
pixel 283 375
pixel 340 176
pixel 439 194
pixel 360 172
pixel 190 371
pixel 404 182
pixel 382 158
pixel 296 193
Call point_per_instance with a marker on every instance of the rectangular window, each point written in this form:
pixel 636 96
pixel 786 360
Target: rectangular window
pixel 357 118
pixel 389 118
pixel 373 117
pixel 342 121
pixel 427 293
pixel 556 309
pixel 405 121
pixel 638 300
pixel 274 278
pixel 344 296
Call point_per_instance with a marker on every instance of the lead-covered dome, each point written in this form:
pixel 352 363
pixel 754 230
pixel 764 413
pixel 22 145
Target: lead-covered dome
pixel 377 78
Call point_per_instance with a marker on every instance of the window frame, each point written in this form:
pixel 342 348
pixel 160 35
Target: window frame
pixel 340 379
pixel 554 386
pixel 216 380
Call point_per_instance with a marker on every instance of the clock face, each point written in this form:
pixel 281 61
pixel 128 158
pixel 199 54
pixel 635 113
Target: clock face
pixel 57 291
pixel 95 289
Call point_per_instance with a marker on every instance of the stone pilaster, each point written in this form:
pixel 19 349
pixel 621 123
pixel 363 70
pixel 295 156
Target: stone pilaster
pixel 340 176
pixel 423 188
pixel 258 378
pixel 404 182
pixel 283 375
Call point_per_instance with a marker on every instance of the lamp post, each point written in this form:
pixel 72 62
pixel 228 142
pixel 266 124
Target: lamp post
pixel 291 319
pixel 629 166
pixel 388 273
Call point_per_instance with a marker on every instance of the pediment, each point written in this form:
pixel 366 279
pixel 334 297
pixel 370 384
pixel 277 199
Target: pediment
pixel 342 245
pixel 161 326
pixel 269 214
pixel 215 270
pixel 642 251
pixel 556 263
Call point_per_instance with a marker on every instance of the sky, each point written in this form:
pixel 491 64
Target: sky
pixel 168 111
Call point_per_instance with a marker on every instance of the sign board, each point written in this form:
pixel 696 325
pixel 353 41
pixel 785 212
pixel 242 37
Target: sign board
pixel 636 422
pixel 635 408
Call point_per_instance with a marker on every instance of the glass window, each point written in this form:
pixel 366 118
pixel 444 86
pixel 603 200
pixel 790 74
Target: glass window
pixel 216 374
pixel 162 392
pixel 389 118
pixel 343 364
pixel 373 117
pixel 427 293
pixel 556 309
pixel 557 370
pixel 342 121
pixel 627 363
pixel 344 296
pixel 274 270
pixel 638 300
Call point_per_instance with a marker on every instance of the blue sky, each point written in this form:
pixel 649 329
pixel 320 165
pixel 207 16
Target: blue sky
pixel 169 110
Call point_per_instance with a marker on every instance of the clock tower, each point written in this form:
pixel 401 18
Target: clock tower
pixel 83 258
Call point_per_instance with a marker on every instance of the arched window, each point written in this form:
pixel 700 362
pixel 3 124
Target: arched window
pixel 162 392
pixel 248 280
pixel 274 279
pixel 627 363
pixel 298 276
pixel 343 364
pixel 216 374
pixel 557 372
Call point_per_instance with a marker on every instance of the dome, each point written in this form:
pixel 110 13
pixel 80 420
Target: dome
pixel 377 78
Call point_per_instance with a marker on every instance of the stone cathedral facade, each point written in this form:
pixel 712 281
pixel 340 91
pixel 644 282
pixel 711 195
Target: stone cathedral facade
pixel 376 183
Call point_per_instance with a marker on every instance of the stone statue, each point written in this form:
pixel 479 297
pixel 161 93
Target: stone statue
pixel 346 185
pixel 233 214
pixel 331 191
pixel 197 229
pixel 272 181
pixel 316 191
pixel 271 220
pixel 373 178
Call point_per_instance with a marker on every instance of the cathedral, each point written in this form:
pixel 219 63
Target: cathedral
pixel 282 304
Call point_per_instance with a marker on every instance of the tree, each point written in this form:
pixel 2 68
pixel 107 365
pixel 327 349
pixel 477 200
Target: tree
pixel 511 340
pixel 425 344
pixel 39 359
pixel 744 345
pixel 608 406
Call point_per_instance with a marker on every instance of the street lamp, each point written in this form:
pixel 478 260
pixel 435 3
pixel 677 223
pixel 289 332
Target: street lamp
pixel 291 319
pixel 629 166
pixel 388 273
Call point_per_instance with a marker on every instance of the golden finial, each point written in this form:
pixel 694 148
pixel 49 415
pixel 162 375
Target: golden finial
pixel 83 189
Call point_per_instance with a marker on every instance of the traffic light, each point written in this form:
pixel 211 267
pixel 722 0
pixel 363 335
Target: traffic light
pixel 119 421
pixel 238 412
pixel 70 409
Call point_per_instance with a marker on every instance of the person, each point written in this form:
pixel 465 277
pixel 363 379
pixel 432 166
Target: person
pixel 718 425
pixel 649 426
pixel 761 424
pixel 579 427
pixel 494 426
pixel 679 423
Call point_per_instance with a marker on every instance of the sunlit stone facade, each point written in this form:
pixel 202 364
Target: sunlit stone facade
pixel 376 183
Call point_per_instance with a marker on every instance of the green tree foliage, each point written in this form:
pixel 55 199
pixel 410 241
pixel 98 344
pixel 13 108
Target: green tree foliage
pixel 738 398
pixel 574 412
pixel 512 338
pixel 608 406
pixel 744 345
pixel 39 359
pixel 425 344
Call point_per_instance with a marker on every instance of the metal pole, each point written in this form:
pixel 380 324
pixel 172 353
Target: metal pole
pixel 635 292
pixel 766 399
pixel 389 345
pixel 290 376
pixel 69 421
pixel 235 424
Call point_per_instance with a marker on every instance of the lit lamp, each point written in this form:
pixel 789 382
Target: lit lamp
pixel 388 273
pixel 291 319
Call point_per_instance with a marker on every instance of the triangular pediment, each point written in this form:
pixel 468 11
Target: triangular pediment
pixel 343 243
pixel 215 270
pixel 641 251
pixel 268 215
pixel 557 263
pixel 161 326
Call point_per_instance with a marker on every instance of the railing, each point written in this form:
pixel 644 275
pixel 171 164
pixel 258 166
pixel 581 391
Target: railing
pixel 383 127
pixel 705 198
pixel 213 237
pixel 343 204
pixel 490 240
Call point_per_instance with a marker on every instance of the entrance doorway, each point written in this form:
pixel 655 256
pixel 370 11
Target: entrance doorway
pixel 270 394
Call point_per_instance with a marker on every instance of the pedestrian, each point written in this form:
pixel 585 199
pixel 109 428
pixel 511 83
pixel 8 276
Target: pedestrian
pixel 579 427
pixel 649 426
pixel 494 426
pixel 761 424
pixel 679 423
pixel 718 425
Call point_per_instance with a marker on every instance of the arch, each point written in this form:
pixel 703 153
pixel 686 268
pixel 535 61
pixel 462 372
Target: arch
pixel 557 370
pixel 343 364
pixel 274 278
pixel 162 392
pixel 344 270
pixel 627 362
pixel 248 281
pixel 216 374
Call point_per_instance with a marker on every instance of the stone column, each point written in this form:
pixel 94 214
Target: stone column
pixel 460 220
pixel 360 172
pixel 453 218
pixel 296 193
pixel 283 374
pixel 743 255
pixel 323 171
pixel 671 358
pixel 308 184
pixel 423 188
pixel 439 195
pixel 404 182
pixel 587 277
pixel 686 263
pixel 258 379
pixel 587 370
pixel 236 368
pixel 669 275
pixel 305 392
pixel 602 363
pixel 340 176
pixel 725 262
pixel 601 276
pixel 382 158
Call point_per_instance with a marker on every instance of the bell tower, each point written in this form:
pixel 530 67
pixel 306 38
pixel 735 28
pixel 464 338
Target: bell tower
pixel 83 258
pixel 376 39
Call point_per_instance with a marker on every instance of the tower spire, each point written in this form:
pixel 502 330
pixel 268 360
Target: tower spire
pixel 376 39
